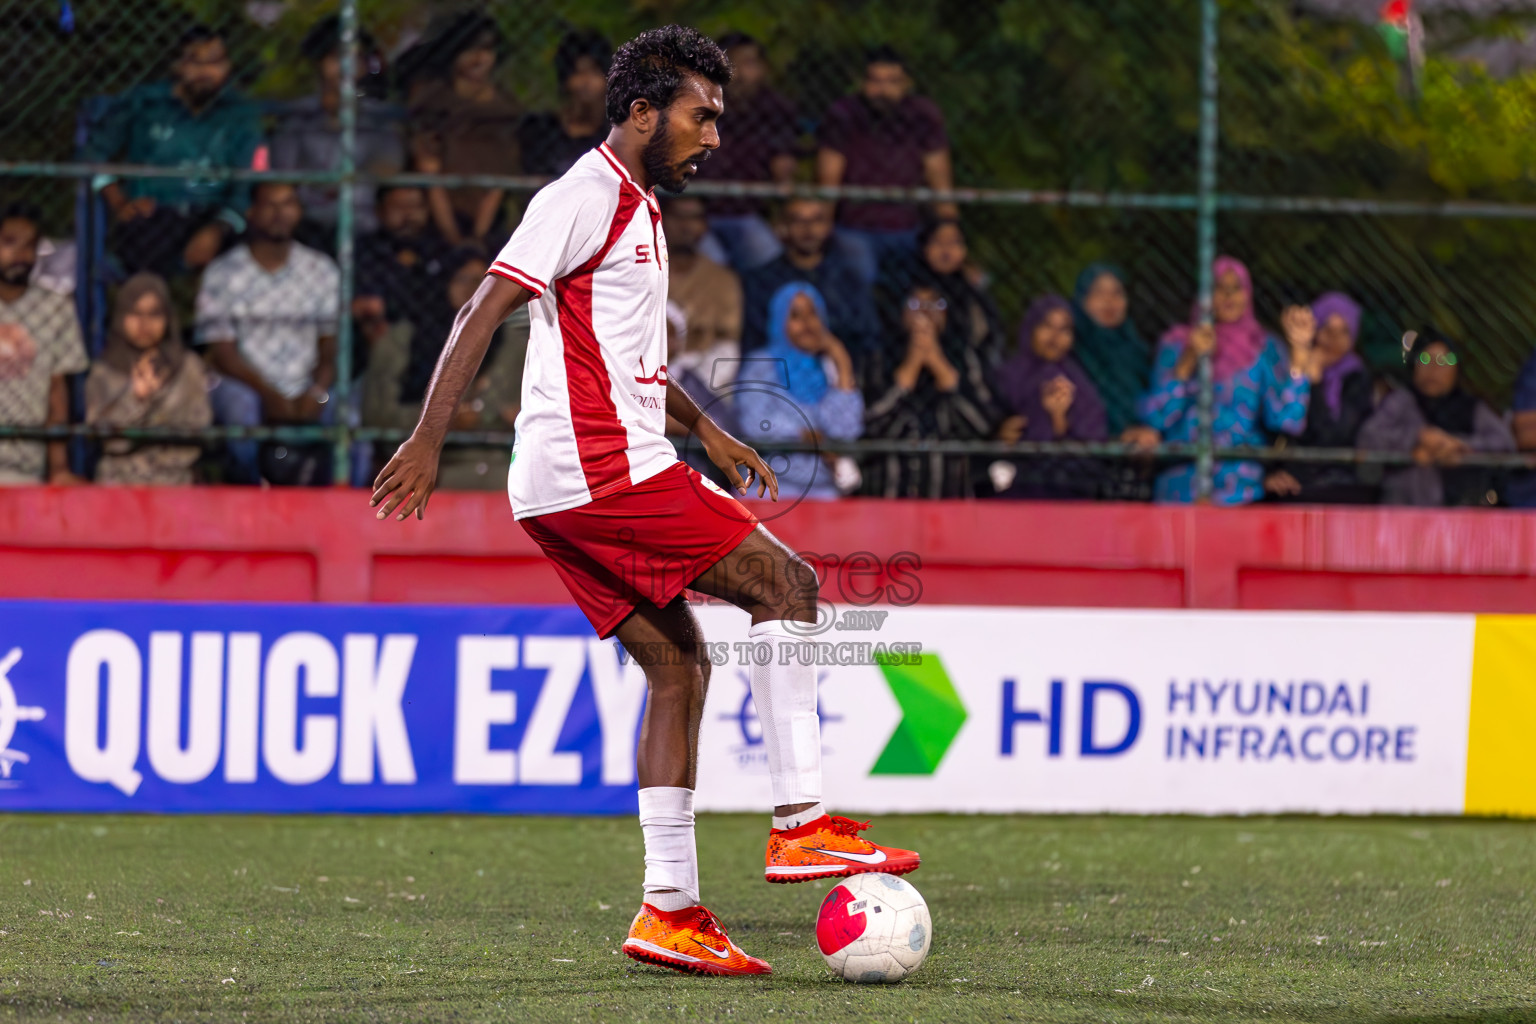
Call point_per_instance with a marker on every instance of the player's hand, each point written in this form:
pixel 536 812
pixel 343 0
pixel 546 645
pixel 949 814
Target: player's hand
pixel 730 454
pixel 406 482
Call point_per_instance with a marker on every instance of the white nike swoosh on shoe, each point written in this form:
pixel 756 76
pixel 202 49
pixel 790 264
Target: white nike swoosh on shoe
pixel 723 955
pixel 878 857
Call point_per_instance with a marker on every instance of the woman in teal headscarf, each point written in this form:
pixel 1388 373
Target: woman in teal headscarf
pixel 1110 348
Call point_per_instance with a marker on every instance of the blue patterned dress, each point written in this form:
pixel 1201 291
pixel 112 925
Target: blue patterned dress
pixel 1247 409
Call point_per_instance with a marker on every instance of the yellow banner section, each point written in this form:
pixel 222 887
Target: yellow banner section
pixel 1501 738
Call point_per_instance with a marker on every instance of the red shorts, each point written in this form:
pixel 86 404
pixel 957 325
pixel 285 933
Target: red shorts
pixel 647 542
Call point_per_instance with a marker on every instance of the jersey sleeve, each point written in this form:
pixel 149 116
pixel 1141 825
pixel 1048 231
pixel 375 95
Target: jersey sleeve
pixel 563 227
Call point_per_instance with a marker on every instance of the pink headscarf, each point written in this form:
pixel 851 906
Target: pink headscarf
pixel 1239 343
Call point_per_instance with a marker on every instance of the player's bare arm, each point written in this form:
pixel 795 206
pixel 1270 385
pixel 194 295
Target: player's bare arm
pixel 723 450
pixel 404 485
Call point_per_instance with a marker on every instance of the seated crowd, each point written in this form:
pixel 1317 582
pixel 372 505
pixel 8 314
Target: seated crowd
pixel 806 321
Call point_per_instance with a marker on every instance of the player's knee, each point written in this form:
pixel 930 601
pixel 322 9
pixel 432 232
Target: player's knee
pixel 803 585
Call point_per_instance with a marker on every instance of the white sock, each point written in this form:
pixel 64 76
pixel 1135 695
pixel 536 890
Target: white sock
pixel 671 859
pixel 799 818
pixel 785 697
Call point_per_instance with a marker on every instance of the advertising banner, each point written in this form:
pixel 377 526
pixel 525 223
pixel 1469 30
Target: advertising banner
pixel 324 708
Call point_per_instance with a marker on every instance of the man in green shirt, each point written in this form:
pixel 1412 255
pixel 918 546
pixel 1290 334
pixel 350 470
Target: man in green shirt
pixel 193 121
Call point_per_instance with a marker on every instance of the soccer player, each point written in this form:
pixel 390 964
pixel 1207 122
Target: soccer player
pixel 628 527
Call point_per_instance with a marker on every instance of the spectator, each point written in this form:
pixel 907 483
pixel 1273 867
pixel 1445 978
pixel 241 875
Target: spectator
pixel 462 122
pixel 806 391
pixel 552 141
pixel 1259 389
pixel 1521 490
pixel 1343 399
pixel 708 294
pixel 883 136
pixel 810 256
pixel 267 316
pixel 399 265
pixel 145 377
pixel 403 361
pixel 194 121
pixel 39 347
pixel 1111 350
pixel 759 130
pixel 1440 424
pixel 928 386
pixel 307 136
pixel 1049 397
pixel 941 263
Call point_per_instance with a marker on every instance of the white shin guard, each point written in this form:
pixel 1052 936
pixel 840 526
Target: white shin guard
pixel 784 692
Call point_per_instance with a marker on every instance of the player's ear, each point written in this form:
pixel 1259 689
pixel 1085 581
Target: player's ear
pixel 642 115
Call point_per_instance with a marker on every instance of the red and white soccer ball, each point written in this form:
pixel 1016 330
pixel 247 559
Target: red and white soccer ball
pixel 874 928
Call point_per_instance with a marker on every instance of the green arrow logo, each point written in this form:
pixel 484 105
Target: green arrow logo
pixel 931 715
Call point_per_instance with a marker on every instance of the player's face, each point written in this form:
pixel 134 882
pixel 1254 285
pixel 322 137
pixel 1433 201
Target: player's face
pixel 144 323
pixel 1052 339
pixel 807 226
pixel 586 83
pixel 685 135
pixel 886 85
pixel 18 250
pixel 1334 340
pixel 275 213
pixel 803 325
pixel 1105 302
pixel 1436 376
pixel 1229 299
pixel 945 251
pixel 685 224
pixel 403 212
pixel 203 70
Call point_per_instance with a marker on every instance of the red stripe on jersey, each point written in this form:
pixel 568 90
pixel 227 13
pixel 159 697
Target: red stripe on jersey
pixel 601 440
pixel 527 280
pixel 517 277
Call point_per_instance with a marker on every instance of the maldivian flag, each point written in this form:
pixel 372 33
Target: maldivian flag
pixel 1393 26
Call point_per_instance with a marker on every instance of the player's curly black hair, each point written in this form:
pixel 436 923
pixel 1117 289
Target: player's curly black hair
pixel 652 67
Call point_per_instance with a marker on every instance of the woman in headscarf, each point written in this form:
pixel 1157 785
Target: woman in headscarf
pixel 145 377
pixel 801 387
pixel 400 367
pixel 1343 399
pixel 1110 348
pixel 1440 423
pixel 1260 389
pixel 928 383
pixel 940 264
pixel 1044 387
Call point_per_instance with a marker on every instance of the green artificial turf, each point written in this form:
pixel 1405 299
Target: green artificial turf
pixel 1035 918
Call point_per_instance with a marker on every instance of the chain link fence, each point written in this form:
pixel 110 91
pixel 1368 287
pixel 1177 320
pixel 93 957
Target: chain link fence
pixel 185 141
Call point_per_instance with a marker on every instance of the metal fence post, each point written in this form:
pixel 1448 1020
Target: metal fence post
pixel 1206 234
pixel 342 391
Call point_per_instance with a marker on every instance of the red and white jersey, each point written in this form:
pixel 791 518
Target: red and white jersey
pixel 593 416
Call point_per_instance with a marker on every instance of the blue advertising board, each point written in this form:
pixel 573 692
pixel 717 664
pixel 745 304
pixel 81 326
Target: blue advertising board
pixel 313 708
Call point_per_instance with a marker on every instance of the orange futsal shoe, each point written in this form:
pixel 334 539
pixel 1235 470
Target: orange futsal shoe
pixel 691 939
pixel 830 847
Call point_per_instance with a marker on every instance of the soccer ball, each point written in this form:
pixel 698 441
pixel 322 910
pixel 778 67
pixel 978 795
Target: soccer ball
pixel 874 928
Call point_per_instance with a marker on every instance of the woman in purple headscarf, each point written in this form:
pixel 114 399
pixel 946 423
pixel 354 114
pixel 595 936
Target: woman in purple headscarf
pixel 1048 396
pixel 1342 400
